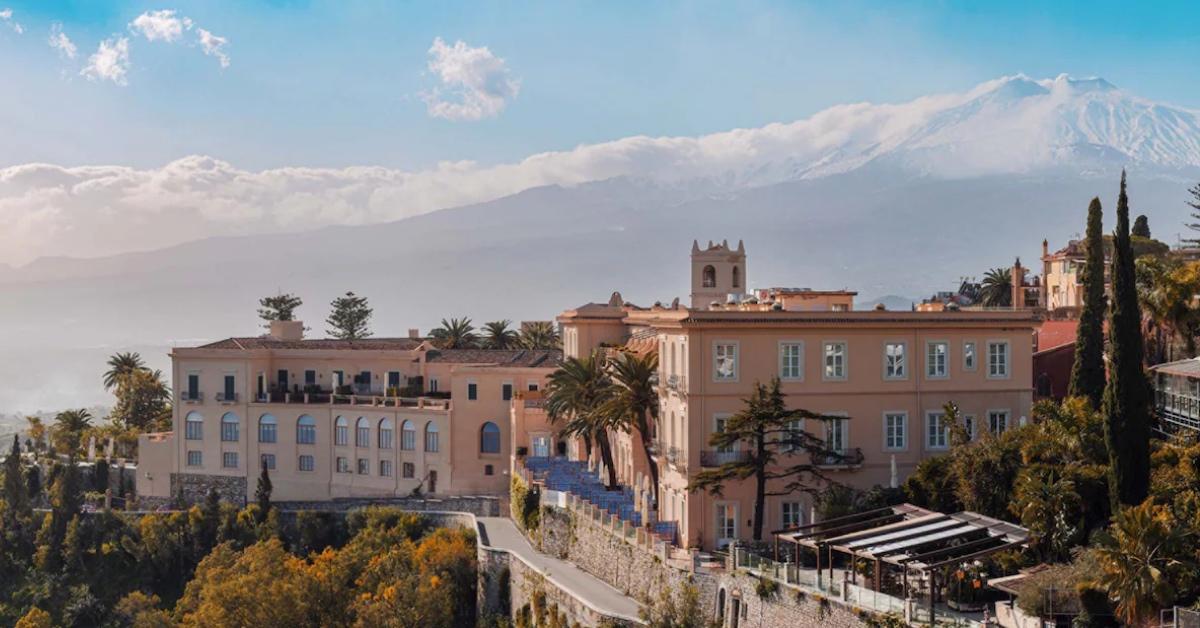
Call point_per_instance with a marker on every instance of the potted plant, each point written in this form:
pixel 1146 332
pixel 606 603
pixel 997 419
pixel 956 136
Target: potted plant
pixel 965 590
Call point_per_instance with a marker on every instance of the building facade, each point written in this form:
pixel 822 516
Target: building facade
pixel 890 374
pixel 338 418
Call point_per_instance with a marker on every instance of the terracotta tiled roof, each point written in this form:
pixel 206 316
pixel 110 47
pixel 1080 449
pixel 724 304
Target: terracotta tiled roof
pixel 1056 333
pixel 546 358
pixel 266 342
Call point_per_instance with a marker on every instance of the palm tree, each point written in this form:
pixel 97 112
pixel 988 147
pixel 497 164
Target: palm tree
pixel 1049 507
pixel 996 288
pixel 499 335
pixel 457 333
pixel 1146 556
pixel 1165 291
pixel 540 335
pixel 576 394
pixel 120 365
pixel 69 426
pixel 633 404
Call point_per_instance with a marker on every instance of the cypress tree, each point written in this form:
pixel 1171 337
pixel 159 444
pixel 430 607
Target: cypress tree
pixel 1126 405
pixel 1087 373
pixel 15 493
pixel 262 494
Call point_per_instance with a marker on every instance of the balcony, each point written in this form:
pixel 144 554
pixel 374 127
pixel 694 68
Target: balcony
pixel 375 399
pixel 714 458
pixel 848 458
pixel 1178 410
pixel 191 396
pixel 677 383
pixel 227 398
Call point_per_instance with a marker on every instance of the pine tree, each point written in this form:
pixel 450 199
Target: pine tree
pixel 262 494
pixel 1141 227
pixel 1126 405
pixel 1087 374
pixel 281 307
pixel 350 318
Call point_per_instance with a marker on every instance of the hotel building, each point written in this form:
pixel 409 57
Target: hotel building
pixel 888 373
pixel 379 417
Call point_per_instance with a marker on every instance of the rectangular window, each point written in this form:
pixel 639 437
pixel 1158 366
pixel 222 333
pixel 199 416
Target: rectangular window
pixel 408 437
pixel 385 468
pixel 433 384
pixel 725 362
pixel 364 466
pixel 306 434
pixel 795 435
pixel 895 361
pixel 969 426
pixel 230 395
pixel 472 391
pixel 268 460
pixel 506 391
pixel 969 356
pixel 393 379
pixel 726 523
pixel 310 377
pixel 194 459
pixel 431 441
pixel 998 359
pixel 937 432
pixel 533 386
pixel 194 429
pixel 408 470
pixel 895 430
pixel 935 359
pixel 791 360
pixel 341 433
pixel 791 515
pixel 266 431
pixel 193 386
pixel 835 360
pixel 385 437
pixel 998 421
pixel 343 464
pixel 229 460
pixel 718 427
pixel 489 469
pixel 282 378
pixel 339 379
pixel 307 463
pixel 836 436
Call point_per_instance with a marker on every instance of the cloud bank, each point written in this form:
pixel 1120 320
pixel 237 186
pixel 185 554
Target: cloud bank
pixel 1009 125
pixel 473 83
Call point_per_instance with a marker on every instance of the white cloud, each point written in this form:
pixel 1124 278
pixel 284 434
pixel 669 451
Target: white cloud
pixel 474 83
pixel 160 25
pixel 59 41
pixel 110 62
pixel 214 46
pixel 6 17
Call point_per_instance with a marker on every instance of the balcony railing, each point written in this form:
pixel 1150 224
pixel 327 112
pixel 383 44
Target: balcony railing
pixel 378 400
pixel 677 383
pixel 223 397
pixel 714 458
pixel 1182 410
pixel 840 458
pixel 191 396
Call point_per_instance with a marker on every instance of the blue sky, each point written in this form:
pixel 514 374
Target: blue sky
pixel 341 83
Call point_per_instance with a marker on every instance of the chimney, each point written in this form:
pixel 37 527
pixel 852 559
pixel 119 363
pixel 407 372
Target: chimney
pixel 414 334
pixel 287 330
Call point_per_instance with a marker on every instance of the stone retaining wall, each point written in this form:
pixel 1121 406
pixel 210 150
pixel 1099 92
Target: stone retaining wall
pixel 192 488
pixel 480 506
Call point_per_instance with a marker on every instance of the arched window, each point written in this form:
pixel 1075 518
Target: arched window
pixel 266 429
pixel 489 438
pixel 385 433
pixel 737 277
pixel 341 431
pixel 229 427
pixel 194 426
pixel 710 277
pixel 306 430
pixel 408 436
pixel 431 437
pixel 362 432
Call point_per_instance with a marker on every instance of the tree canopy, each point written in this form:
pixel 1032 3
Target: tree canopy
pixel 350 318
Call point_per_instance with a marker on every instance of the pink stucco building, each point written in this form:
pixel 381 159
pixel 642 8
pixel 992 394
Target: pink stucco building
pixel 888 373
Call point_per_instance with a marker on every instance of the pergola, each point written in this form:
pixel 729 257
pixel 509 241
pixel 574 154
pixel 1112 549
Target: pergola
pixel 904 536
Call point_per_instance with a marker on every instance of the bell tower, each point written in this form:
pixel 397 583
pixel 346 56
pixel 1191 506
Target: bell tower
pixel 717 272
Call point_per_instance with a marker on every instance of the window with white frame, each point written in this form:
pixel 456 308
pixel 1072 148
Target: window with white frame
pixel 795 435
pixel 194 459
pixel 408 470
pixel 362 432
pixel 408 436
pixel 895 361
pixel 718 427
pixel 343 464
pixel 791 360
pixel 969 358
pixel 835 360
pixel 935 359
pixel 385 468
pixel 307 463
pixel 998 359
pixel 725 361
pixel 998 421
pixel 364 466
pixel 726 522
pixel 837 435
pixel 895 430
pixel 790 514
pixel 431 437
pixel 194 426
pixel 341 431
pixel 229 459
pixel 936 431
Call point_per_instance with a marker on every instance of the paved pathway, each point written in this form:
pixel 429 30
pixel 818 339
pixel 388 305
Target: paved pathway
pixel 503 534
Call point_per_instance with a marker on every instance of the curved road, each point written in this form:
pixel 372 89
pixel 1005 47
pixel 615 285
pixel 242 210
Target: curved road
pixel 501 533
